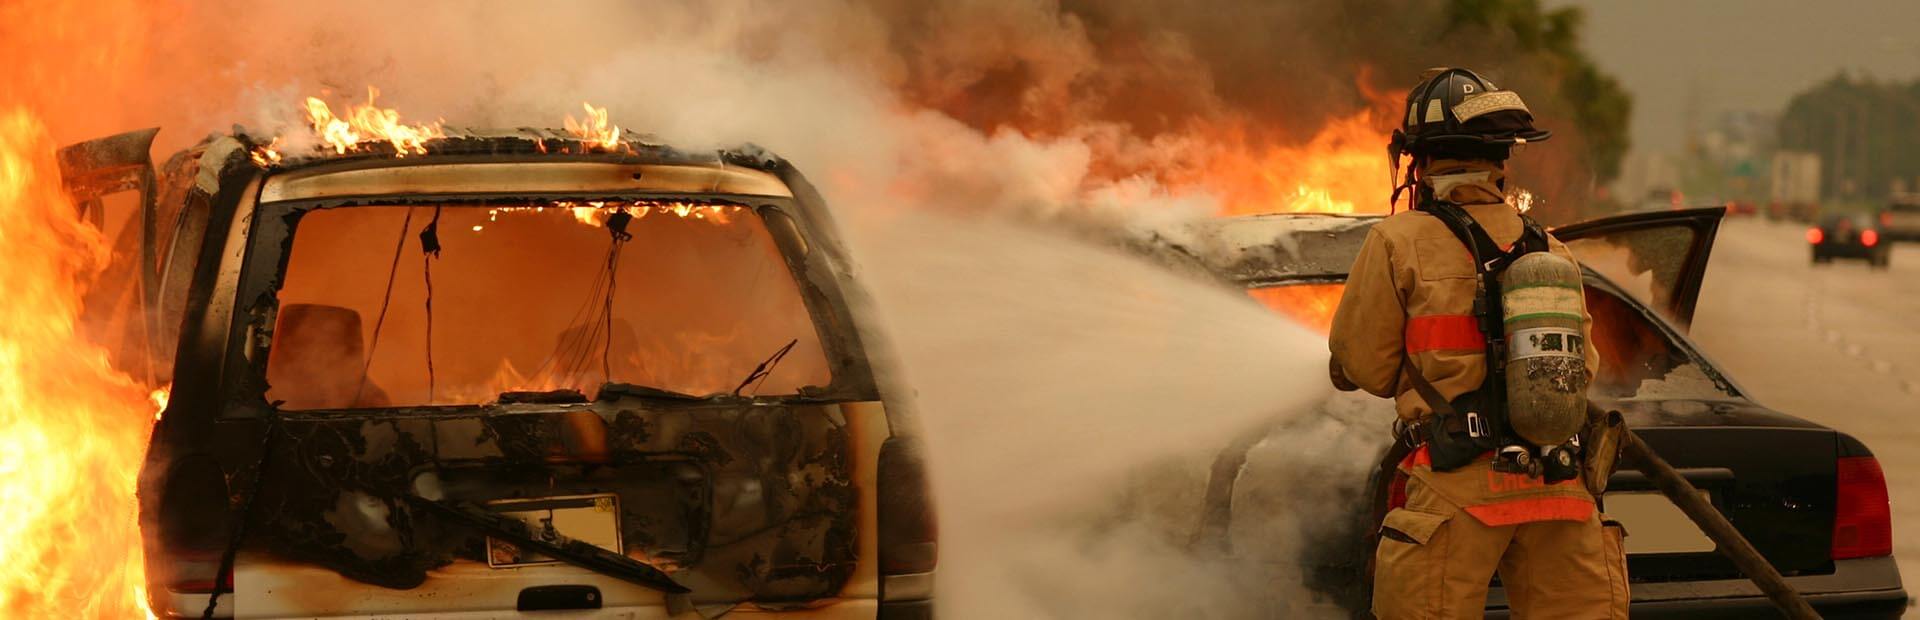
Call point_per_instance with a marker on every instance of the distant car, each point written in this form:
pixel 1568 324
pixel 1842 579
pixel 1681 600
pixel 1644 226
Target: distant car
pixel 1811 499
pixel 1742 207
pixel 1900 221
pixel 1841 235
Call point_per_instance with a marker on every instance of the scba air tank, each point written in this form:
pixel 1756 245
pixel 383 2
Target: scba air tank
pixel 1545 312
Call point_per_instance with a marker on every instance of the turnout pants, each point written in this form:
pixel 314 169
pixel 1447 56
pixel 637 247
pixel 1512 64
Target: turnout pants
pixel 1435 561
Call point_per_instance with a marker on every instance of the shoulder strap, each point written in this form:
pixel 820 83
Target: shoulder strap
pixel 1533 238
pixel 1469 232
pixel 1489 260
pixel 1435 400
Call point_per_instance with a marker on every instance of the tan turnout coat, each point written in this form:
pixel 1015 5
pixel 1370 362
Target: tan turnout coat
pixel 1409 297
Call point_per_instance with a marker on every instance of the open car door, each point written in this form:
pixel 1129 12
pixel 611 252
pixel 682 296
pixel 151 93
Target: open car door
pixel 1659 257
pixel 97 173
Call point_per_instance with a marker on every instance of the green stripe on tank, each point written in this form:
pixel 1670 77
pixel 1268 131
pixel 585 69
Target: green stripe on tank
pixel 1575 287
pixel 1544 315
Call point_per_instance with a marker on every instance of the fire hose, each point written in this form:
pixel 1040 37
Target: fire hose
pixel 1729 541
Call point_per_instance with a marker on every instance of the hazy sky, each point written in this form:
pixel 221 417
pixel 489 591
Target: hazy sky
pixel 1746 54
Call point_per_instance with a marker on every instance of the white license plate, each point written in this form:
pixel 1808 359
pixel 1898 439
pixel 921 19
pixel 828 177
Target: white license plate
pixel 594 519
pixel 1655 525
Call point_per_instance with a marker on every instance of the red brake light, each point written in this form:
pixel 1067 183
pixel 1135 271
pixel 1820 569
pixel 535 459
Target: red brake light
pixel 206 586
pixel 1814 236
pixel 1870 238
pixel 1862 518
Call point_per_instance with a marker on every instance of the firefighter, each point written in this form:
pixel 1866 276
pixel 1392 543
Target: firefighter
pixel 1420 322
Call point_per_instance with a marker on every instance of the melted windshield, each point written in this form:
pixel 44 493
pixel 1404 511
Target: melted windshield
pixel 678 297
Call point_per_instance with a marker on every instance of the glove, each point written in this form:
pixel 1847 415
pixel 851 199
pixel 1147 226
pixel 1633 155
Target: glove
pixel 1339 376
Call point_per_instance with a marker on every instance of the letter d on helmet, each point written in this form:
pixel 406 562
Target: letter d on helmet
pixel 1455 113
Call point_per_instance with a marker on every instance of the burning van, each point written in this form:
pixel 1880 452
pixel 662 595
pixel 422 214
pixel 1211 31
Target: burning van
pixel 482 373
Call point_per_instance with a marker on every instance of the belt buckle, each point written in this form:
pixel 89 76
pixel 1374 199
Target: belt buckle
pixel 1409 433
pixel 1476 425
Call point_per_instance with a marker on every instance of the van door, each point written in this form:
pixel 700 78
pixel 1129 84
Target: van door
pixel 112 183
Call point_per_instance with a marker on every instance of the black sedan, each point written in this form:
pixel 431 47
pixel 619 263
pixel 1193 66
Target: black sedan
pixel 1841 235
pixel 1812 499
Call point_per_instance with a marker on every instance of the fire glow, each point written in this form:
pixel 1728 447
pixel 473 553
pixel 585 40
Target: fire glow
pixel 596 212
pixel 73 430
pixel 366 123
pixel 595 130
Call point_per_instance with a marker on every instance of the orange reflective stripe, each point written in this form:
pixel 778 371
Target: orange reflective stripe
pixel 1514 511
pixel 1419 456
pixel 1444 332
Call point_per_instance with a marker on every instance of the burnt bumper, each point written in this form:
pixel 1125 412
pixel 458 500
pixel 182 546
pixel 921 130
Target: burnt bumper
pixel 1861 588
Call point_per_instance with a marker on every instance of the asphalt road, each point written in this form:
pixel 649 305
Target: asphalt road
pixel 1837 343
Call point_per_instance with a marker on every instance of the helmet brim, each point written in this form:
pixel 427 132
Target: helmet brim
pixel 1523 137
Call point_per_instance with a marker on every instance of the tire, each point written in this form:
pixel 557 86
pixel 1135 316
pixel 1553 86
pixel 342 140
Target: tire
pixel 1880 260
pixel 1819 258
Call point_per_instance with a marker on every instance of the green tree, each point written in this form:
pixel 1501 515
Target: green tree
pixel 1866 132
pixel 1598 106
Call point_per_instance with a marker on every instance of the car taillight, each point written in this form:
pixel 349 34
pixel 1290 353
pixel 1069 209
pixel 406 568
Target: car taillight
pixel 1814 235
pixel 1869 238
pixel 1862 518
pixel 908 532
pixel 1397 491
pixel 206 584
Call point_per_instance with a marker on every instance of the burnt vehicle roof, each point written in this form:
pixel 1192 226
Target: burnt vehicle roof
pixel 744 170
pixel 547 144
pixel 1318 248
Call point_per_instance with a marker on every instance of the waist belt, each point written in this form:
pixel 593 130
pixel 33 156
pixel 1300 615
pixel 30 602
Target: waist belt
pixel 1454 438
pixel 1415 434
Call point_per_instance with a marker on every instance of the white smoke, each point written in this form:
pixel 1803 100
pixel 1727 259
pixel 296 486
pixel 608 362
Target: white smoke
pixel 1073 394
pixel 1074 397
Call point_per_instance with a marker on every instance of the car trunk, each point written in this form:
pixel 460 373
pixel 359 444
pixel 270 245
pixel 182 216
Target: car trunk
pixel 736 499
pixel 1772 476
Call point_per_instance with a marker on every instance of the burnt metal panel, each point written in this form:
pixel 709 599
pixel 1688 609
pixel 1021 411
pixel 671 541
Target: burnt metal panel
pixel 742 500
pixel 1263 250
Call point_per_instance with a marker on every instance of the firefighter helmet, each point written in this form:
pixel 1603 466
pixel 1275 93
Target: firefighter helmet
pixel 1458 114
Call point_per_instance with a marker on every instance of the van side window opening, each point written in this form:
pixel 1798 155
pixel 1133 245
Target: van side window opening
pixel 533 299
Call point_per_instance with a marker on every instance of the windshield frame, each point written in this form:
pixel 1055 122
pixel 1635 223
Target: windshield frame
pixel 269 243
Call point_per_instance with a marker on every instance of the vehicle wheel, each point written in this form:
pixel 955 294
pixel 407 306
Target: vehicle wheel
pixel 1819 258
pixel 1880 260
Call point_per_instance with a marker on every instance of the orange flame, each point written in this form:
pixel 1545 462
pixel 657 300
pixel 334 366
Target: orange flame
pixel 595 130
pixel 595 212
pixel 159 399
pixel 267 156
pixel 73 430
pixel 1311 305
pixel 368 123
pixel 1342 169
